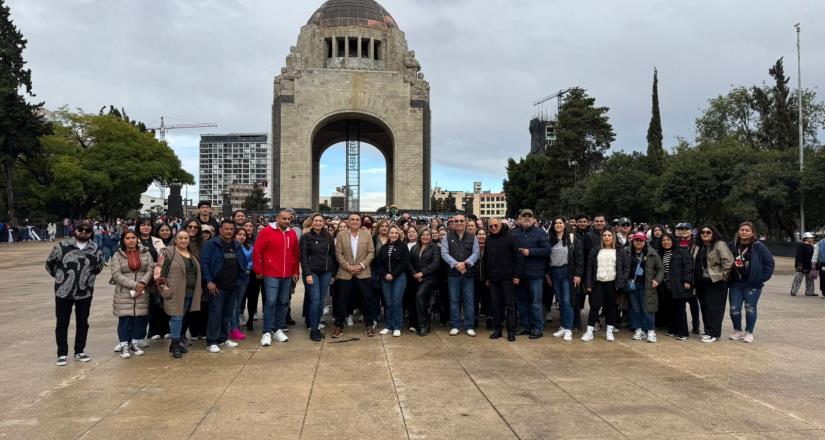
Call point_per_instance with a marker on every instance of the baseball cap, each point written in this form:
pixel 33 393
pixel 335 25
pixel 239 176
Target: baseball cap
pixel 526 212
pixel 639 236
pixel 684 225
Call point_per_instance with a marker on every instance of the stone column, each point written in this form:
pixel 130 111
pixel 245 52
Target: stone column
pixel 346 51
pixel 372 49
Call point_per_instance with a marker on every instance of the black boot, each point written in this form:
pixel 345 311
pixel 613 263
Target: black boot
pixel 182 344
pixel 511 336
pixel 174 347
pixel 315 335
pixel 496 334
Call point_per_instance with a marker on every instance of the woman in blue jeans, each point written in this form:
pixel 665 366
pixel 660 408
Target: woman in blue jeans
pixel 753 266
pixel 565 271
pixel 179 282
pixel 132 270
pixel 393 263
pixel 317 253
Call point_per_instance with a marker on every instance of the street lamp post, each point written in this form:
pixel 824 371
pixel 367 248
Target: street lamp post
pixel 801 148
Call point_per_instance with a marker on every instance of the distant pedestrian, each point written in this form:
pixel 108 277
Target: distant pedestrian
pixel 74 263
pixel 803 265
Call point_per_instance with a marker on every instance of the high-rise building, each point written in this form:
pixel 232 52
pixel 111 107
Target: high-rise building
pixel 235 158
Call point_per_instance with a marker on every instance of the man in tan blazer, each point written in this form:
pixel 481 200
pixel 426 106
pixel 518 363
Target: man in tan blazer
pixel 354 251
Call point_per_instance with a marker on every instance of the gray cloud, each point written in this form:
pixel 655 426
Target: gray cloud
pixel 486 61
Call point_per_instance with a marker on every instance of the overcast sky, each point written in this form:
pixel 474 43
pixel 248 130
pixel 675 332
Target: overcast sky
pixel 486 61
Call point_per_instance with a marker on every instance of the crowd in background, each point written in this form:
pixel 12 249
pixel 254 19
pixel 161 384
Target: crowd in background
pixel 205 278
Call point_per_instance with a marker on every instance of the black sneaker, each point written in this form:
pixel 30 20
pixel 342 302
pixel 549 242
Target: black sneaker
pixel 82 357
pixel 62 361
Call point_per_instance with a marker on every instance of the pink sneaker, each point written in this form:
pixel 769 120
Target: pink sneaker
pixel 237 334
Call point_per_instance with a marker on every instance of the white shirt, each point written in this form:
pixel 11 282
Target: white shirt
pixel 606 265
pixel 80 245
pixel 410 246
pixel 354 245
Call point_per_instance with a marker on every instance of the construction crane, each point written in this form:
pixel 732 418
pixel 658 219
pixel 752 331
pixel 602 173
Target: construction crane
pixel 163 127
pixel 162 131
pixel 556 95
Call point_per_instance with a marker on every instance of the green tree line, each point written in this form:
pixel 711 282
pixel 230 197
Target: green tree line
pixel 742 165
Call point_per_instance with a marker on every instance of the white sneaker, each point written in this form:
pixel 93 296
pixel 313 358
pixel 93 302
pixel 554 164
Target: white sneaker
pixel 119 346
pixel 568 335
pixel 280 336
pixel 708 338
pixel 396 333
pixel 651 336
pixel 637 335
pixel 748 337
pixel 737 336
pixel 213 349
pixel 471 332
pixel 62 361
pixel 350 322
pixel 384 331
pixel 453 332
pixel 124 352
pixel 609 333
pixel 136 349
pixel 167 336
pixel 411 329
pixel 155 337
pixel 559 333
pixel 143 342
pixel 266 340
pixel 321 326
pixel 588 335
pixel 230 343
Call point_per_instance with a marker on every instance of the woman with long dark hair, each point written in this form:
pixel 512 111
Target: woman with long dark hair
pixel 678 285
pixel 318 264
pixel 235 332
pixel 164 232
pixel 565 271
pixel 425 261
pixel 410 239
pixel 158 320
pixel 753 266
pixel 132 269
pixel 713 262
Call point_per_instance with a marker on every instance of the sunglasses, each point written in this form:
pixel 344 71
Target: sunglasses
pixel 85 230
pixel 625 225
pixel 193 227
pixel 707 232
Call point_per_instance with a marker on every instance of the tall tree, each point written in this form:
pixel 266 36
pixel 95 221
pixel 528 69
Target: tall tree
pixel 256 200
pixel 584 132
pixel 655 152
pixel 20 122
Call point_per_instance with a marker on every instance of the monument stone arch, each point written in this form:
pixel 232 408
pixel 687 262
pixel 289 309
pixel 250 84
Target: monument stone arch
pixel 351 78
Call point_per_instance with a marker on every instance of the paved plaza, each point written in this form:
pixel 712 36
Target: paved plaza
pixel 438 387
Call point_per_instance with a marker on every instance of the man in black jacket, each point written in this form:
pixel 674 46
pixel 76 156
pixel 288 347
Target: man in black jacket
pixel 502 264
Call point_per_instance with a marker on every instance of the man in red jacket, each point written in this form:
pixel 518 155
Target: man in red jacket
pixel 275 260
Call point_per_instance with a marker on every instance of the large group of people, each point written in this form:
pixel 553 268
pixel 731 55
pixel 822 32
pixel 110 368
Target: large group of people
pixel 203 278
